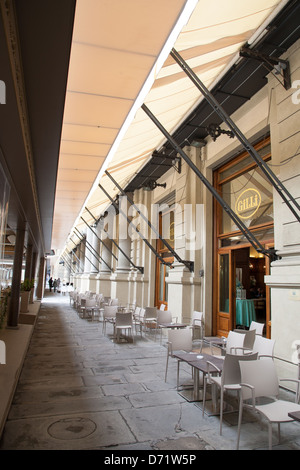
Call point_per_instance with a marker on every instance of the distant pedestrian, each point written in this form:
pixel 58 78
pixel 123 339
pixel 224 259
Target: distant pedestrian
pixel 55 285
pixel 50 284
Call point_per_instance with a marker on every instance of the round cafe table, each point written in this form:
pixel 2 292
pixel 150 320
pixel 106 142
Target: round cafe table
pixel 245 312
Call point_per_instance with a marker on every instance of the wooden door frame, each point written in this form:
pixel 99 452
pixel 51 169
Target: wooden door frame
pixel 222 318
pixel 232 313
pixel 158 302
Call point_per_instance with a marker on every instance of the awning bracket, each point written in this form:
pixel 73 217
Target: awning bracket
pixel 249 235
pixel 290 201
pixel 101 241
pixel 282 67
pixel 135 228
pixel 188 264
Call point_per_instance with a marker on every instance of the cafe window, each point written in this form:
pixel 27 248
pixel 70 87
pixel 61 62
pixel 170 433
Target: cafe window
pixel 239 270
pixel 166 231
pixel 247 191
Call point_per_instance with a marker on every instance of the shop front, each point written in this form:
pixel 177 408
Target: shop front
pixel 239 270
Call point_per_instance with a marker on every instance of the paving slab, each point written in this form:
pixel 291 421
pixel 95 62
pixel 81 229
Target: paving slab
pixel 79 390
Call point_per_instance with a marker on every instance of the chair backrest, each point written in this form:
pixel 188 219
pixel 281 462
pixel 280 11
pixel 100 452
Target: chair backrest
pixel 263 346
pixel 150 312
pixel 180 339
pixel 249 339
pixel 262 376
pixel 164 316
pixel 197 319
pixel 110 311
pixel 137 311
pixel 90 303
pixel 142 312
pixel 258 327
pixel 231 373
pixel 114 302
pixel 162 307
pixel 123 319
pixel 234 340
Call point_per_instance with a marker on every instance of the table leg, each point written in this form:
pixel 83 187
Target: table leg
pixel 196 384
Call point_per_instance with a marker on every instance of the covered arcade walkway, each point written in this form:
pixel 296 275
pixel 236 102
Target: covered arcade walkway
pixel 80 390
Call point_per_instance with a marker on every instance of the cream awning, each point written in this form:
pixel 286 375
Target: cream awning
pixel 115 48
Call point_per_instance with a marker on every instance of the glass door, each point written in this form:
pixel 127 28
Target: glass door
pixel 226 286
pixel 161 296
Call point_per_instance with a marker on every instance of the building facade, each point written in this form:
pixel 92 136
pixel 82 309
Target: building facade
pixel 227 272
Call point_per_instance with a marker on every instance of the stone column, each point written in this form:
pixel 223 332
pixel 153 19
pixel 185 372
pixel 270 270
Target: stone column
pixel 184 287
pixel 124 241
pixel 41 279
pixel 120 280
pixel 106 262
pixel 284 278
pixel 106 256
pixel 28 266
pixel 88 255
pixel 13 313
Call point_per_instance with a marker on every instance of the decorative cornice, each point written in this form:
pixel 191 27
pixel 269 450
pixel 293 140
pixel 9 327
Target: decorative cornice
pixel 12 39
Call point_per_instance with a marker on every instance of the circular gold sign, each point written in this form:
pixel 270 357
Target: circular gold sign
pixel 248 203
pixel 172 226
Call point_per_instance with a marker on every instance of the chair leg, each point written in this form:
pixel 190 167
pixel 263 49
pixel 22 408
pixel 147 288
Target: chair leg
pixel 270 436
pixel 204 394
pixel 178 364
pixel 239 420
pixel 221 409
pixel 167 367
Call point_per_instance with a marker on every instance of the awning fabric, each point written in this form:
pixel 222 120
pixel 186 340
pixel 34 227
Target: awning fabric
pixel 115 47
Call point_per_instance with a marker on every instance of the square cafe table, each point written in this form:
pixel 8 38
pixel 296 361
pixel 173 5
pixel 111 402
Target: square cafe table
pixel 199 363
pixel 295 415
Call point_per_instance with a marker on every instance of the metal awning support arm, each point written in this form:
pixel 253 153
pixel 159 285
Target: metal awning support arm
pixel 94 252
pixel 124 254
pixel 115 243
pixel 276 183
pixel 188 264
pixel 73 251
pixel 254 242
pixel 134 227
pixel 97 269
pixel 97 235
pixel 68 264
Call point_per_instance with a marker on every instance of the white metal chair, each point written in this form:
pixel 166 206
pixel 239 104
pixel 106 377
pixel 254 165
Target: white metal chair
pixel 90 308
pixel 109 315
pixel 258 327
pixel 264 346
pixel 197 324
pixel 163 317
pixel 296 380
pixel 228 379
pixel 178 340
pixel 240 343
pixel 150 316
pixel 259 379
pixel 137 319
pixel 123 322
